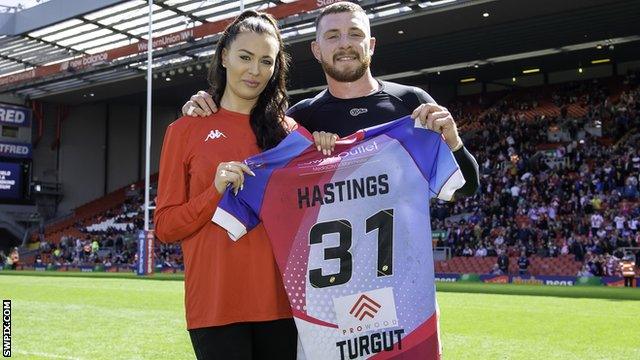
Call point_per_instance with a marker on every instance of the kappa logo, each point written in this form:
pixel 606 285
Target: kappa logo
pixel 365 306
pixel 214 134
pixel 357 111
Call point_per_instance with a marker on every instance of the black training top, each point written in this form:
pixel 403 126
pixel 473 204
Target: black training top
pixel 343 117
pixel 326 112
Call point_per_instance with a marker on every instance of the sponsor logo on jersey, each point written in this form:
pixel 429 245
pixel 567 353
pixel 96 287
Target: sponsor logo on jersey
pixel 367 311
pixel 357 111
pixel 365 306
pixel 214 134
pixel 365 150
pixel 361 320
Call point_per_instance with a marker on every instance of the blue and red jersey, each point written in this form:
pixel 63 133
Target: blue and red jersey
pixel 351 236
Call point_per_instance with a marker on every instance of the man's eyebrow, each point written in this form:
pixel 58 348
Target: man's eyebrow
pixel 338 30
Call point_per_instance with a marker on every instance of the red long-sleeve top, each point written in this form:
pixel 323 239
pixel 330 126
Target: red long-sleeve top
pixel 225 281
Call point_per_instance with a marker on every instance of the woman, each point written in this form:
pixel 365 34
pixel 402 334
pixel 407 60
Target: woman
pixel 236 307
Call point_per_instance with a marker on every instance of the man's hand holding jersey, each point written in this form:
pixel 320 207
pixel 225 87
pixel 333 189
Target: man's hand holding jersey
pixel 439 119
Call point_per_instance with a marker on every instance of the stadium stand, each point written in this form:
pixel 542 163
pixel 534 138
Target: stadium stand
pixel 543 201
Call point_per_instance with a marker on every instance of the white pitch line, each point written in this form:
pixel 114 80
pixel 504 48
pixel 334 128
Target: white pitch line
pixel 47 355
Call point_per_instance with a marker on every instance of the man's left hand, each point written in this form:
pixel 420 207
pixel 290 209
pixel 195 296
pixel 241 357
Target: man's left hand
pixel 438 118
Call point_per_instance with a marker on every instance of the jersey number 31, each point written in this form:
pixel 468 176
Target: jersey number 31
pixel 382 220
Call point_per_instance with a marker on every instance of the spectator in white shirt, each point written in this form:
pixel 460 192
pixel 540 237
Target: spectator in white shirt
pixel 515 190
pixel 467 251
pixel 619 220
pixel 596 222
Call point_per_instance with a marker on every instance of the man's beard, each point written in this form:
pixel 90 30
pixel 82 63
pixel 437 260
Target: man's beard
pixel 346 75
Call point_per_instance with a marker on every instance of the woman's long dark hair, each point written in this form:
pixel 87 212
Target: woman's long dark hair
pixel 267 115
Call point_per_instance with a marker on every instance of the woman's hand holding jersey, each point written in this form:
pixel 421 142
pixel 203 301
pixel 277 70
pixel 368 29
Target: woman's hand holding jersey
pixel 231 174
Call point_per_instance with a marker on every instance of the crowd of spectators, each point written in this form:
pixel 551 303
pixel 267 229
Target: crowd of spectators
pixel 579 198
pixel 109 240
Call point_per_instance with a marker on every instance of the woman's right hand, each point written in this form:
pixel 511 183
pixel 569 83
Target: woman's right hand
pixel 231 173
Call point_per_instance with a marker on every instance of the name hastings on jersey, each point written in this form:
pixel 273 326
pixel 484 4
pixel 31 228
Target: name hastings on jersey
pixel 349 189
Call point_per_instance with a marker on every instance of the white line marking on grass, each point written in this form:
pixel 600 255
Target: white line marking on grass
pixel 47 355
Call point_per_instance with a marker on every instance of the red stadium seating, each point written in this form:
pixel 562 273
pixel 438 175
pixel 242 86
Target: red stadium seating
pixel 562 265
pixel 87 214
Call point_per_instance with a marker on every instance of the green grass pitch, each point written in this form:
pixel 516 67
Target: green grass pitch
pixel 105 316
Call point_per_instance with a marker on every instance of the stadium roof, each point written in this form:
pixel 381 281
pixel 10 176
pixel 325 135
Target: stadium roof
pixel 111 36
pixel 77 45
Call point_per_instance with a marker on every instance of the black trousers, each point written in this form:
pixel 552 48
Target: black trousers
pixel 266 340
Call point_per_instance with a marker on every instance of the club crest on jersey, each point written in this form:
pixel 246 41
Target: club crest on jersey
pixel 214 134
pixel 357 111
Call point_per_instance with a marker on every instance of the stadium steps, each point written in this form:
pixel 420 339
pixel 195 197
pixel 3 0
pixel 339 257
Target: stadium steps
pixel 88 214
pixel 546 106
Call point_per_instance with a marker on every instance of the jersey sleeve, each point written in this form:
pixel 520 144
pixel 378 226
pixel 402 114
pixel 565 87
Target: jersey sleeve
pixel 236 213
pixel 440 166
pixel 240 213
pixel 430 153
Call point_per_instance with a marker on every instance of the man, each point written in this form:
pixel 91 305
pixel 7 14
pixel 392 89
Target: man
pixel 596 222
pixel 627 268
pixel 503 262
pixel 354 99
pixel 523 263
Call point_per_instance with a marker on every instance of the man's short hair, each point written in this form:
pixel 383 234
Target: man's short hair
pixel 338 8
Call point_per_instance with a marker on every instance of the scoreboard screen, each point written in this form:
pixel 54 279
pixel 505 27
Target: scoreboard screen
pixel 10 181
